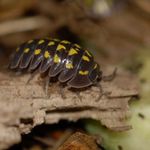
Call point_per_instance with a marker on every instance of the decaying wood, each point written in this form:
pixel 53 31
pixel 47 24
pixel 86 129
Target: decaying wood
pixel 79 141
pixel 23 106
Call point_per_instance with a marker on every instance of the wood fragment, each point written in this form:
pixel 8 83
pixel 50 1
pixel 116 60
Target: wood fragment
pixel 23 107
pixel 79 141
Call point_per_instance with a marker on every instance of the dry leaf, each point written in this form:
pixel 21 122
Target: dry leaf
pixel 79 141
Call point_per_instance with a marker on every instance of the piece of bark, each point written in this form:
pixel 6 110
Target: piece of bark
pixel 79 141
pixel 23 106
pixel 8 136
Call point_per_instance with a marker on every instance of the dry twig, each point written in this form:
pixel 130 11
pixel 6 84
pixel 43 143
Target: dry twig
pixel 20 25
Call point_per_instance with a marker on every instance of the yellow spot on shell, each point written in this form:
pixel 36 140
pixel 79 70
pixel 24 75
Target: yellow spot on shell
pixel 51 43
pixel 72 52
pixel 26 50
pixel 17 49
pixel 88 53
pixel 56 59
pixel 95 66
pixel 65 42
pixel 37 51
pixel 78 46
pixel 83 72
pixel 85 58
pixel 60 47
pixel 46 54
pixel 57 40
pixel 69 65
pixel 30 41
pixel 41 41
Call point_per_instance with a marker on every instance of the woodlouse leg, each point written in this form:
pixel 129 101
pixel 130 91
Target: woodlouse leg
pixel 78 95
pixel 18 73
pixel 76 92
pixel 46 86
pixel 111 76
pixel 101 93
pixel 32 76
pixel 61 92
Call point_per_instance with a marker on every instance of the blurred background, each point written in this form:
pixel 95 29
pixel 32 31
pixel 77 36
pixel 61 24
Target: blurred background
pixel 117 32
pixel 113 30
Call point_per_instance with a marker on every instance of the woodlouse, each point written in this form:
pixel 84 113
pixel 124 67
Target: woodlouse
pixel 71 63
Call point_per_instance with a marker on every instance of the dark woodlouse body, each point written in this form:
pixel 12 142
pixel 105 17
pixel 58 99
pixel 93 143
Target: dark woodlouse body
pixel 61 58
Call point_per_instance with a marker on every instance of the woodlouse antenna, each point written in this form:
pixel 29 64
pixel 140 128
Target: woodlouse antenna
pixel 111 76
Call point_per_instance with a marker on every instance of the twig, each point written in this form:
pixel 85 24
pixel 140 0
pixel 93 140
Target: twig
pixel 47 141
pixel 20 25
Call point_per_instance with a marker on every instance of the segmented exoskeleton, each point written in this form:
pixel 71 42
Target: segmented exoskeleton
pixel 69 62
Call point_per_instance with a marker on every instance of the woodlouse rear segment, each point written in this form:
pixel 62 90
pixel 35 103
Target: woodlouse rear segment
pixel 66 60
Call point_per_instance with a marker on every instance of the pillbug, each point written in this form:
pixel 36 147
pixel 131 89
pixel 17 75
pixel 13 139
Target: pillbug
pixel 60 58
